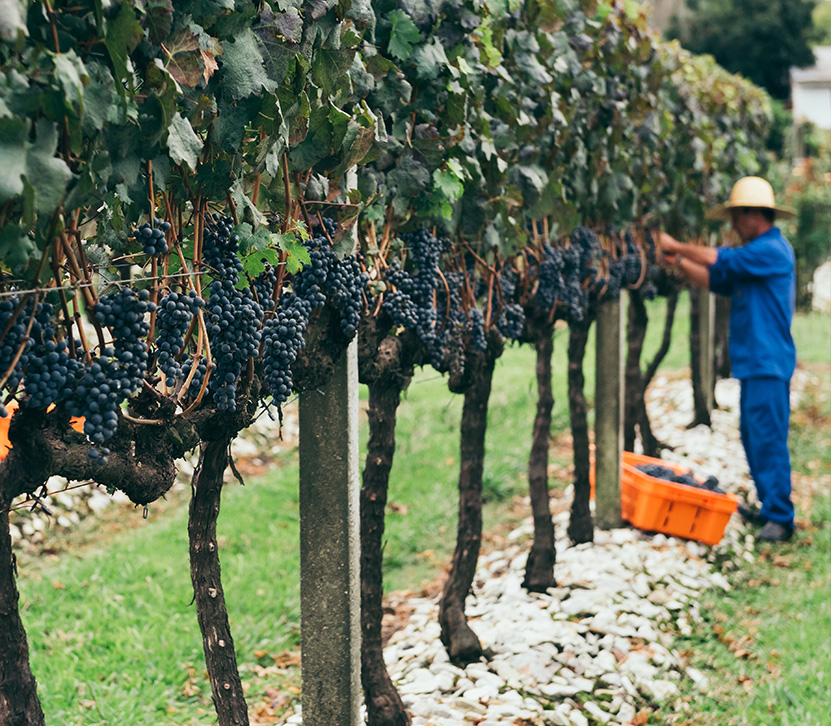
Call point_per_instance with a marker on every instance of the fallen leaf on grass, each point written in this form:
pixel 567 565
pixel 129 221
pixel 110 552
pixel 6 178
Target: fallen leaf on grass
pixel 640 719
pixel 397 508
pixel 745 683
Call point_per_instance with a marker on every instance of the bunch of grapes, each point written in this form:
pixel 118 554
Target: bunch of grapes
pixel 614 282
pixel 173 319
pixel 478 341
pixel 446 344
pixel 51 374
pixel 632 259
pixel 117 374
pixel 232 316
pixel 283 338
pixel 511 320
pixel 152 239
pixel 550 278
pixel 574 297
pixel 220 247
pixel 311 280
pixel 264 286
pixel 233 322
pixel 14 316
pixel 346 285
pixel 411 304
pixel 666 474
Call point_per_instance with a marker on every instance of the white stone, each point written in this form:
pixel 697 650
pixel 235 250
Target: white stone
pixel 701 681
pixel 596 712
pixel 578 719
pixel 626 713
pixel 661 689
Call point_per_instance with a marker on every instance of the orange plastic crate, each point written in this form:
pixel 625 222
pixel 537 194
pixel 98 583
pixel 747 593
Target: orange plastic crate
pixel 677 509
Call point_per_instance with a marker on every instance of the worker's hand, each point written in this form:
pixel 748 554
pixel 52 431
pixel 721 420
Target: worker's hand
pixel 668 244
pixel 669 249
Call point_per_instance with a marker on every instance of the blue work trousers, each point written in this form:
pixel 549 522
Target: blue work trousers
pixel 765 417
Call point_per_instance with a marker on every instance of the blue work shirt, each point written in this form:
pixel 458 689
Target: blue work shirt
pixel 760 279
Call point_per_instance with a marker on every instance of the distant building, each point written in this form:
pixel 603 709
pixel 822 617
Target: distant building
pixel 811 90
pixel 811 96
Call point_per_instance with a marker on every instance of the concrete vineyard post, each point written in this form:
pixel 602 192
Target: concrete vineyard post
pixel 329 548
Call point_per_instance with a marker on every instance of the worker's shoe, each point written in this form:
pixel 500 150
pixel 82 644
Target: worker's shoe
pixel 751 515
pixel 774 532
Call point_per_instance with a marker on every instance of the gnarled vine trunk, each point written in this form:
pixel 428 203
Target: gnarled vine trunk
pixel 700 413
pixel 636 322
pixel 539 570
pixel 461 642
pixel 19 704
pixel 220 657
pixel 385 377
pixel 580 526
pixel 384 705
pixel 651 445
pixel 723 367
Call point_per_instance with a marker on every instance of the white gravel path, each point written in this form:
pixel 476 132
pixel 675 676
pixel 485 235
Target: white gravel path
pixel 597 647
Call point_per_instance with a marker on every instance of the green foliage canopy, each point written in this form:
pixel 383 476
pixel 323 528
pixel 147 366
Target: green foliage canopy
pixel 760 39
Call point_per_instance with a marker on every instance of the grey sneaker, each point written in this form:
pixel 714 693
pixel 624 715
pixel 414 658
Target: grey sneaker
pixel 774 532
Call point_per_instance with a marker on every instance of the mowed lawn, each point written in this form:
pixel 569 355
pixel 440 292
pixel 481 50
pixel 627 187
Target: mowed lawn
pixel 111 627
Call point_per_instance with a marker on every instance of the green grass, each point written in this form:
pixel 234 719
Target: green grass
pixel 766 645
pixel 114 637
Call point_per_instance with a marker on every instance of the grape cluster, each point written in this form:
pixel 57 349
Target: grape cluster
pixel 232 317
pixel 311 280
pixel 283 337
pixel 411 304
pixel 51 374
pixel 173 319
pixel 117 374
pixel 550 285
pixel 346 286
pixel 233 322
pixel 574 297
pixel 324 277
pixel 632 259
pixel 446 345
pixel 511 320
pixel 152 239
pixel 264 286
pixel 11 310
pixel 478 341
pixel 219 248
pixel 666 474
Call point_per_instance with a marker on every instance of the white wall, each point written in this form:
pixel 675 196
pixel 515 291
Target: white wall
pixel 812 103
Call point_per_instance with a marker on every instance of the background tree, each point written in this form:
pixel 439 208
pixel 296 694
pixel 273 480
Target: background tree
pixel 760 39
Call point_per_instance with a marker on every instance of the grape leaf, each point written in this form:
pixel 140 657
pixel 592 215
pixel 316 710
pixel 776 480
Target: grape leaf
pixel 182 142
pixel 298 255
pixel 243 72
pixel 329 65
pixel 430 59
pixel 47 174
pixel 13 132
pixel 124 33
pixel 403 35
pixel 12 19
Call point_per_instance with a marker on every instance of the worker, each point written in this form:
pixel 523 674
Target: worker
pixel 759 277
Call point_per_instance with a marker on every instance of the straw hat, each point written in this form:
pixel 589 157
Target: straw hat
pixel 750 191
